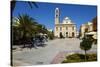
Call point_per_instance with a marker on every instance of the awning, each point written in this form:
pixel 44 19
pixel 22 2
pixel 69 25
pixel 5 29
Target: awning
pixel 91 33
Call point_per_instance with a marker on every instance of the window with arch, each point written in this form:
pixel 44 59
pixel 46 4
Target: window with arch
pixel 60 28
pixel 73 28
pixel 56 28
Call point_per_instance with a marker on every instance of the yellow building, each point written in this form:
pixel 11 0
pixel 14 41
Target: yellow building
pixel 87 29
pixel 67 28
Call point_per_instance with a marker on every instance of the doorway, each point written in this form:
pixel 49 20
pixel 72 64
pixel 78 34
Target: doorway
pixel 61 36
pixel 66 34
pixel 73 34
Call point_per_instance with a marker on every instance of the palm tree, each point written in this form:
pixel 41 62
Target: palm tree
pixel 16 35
pixel 24 28
pixel 85 45
pixel 41 29
pixel 27 24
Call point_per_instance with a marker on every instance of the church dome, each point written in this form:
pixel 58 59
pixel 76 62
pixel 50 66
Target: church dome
pixel 67 21
pixel 57 8
pixel 66 18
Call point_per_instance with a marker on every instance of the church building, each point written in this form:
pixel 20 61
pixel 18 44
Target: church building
pixel 67 28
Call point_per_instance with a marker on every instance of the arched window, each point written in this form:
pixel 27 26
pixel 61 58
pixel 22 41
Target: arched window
pixel 56 15
pixel 72 28
pixel 60 28
pixel 66 34
pixel 56 28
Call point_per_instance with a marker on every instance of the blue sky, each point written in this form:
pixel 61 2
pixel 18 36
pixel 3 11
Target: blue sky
pixel 45 14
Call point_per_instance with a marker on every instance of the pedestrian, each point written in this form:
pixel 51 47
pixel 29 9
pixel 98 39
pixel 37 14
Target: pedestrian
pixel 34 43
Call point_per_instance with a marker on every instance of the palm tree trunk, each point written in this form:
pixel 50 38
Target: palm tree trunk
pixel 24 38
pixel 85 56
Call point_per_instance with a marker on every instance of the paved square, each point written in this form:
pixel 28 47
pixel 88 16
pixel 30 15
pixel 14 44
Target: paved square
pixel 48 54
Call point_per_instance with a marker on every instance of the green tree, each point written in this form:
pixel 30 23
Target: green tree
pixel 86 45
pixel 24 28
pixel 50 35
pixel 26 24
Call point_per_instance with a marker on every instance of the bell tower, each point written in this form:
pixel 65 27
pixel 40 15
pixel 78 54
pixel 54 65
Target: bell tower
pixel 57 15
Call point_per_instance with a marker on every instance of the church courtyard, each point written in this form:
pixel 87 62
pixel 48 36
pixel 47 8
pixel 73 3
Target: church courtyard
pixel 54 52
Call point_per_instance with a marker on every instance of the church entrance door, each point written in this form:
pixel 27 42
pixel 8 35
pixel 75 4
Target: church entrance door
pixel 66 34
pixel 73 34
pixel 61 36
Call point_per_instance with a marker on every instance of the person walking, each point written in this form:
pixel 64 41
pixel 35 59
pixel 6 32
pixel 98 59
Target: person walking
pixel 34 43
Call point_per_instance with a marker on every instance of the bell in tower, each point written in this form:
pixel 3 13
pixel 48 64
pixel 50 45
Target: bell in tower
pixel 57 14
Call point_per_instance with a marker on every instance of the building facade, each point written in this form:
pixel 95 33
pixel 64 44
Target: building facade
pixel 95 24
pixel 86 28
pixel 67 28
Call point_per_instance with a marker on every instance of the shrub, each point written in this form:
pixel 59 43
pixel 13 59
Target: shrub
pixel 79 58
pixel 92 57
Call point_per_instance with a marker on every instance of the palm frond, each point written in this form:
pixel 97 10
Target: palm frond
pixel 32 3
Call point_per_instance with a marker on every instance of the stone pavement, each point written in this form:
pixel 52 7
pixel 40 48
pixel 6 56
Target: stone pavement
pixel 53 52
